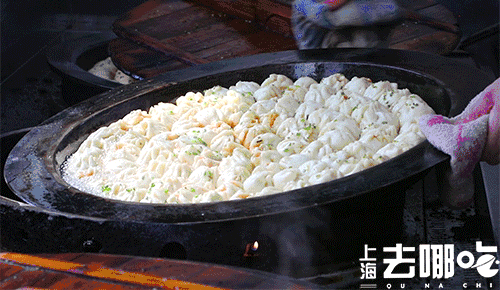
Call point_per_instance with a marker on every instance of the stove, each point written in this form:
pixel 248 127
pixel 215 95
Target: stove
pixel 32 92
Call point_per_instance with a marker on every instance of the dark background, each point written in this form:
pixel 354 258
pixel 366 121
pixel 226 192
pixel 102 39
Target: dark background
pixel 30 91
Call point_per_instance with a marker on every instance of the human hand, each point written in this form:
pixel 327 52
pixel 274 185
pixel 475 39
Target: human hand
pixel 468 138
pixel 473 135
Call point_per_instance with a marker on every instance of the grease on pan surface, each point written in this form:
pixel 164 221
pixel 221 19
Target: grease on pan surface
pixel 248 140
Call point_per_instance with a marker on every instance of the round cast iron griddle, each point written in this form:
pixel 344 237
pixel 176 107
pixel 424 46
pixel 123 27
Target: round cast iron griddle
pixel 33 167
pixel 74 59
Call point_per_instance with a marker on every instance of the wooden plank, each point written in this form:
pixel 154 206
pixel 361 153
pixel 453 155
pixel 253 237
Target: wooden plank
pixel 49 279
pixel 411 30
pixel 235 279
pixel 102 260
pixel 60 256
pixel 207 274
pixel 20 279
pixel 122 45
pixel 152 9
pixel 142 61
pixel 213 39
pixel 244 9
pixel 178 270
pixel 72 282
pixel 95 270
pixel 189 29
pixel 46 279
pixel 264 41
pixel 266 8
pixel 178 23
pixel 196 34
pixel 213 35
pixel 160 69
pixel 238 47
pixel 279 25
pixel 136 58
pixel 7 270
pixel 275 16
pixel 269 41
pixel 183 56
pixel 438 43
pixel 431 22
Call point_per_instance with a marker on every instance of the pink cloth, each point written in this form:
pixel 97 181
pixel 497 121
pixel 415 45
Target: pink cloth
pixel 465 138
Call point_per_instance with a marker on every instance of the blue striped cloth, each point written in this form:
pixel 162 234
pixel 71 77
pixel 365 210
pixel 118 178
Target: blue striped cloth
pixel 313 19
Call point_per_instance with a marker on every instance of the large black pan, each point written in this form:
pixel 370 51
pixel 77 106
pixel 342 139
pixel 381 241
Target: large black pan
pixel 33 167
pixel 299 232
